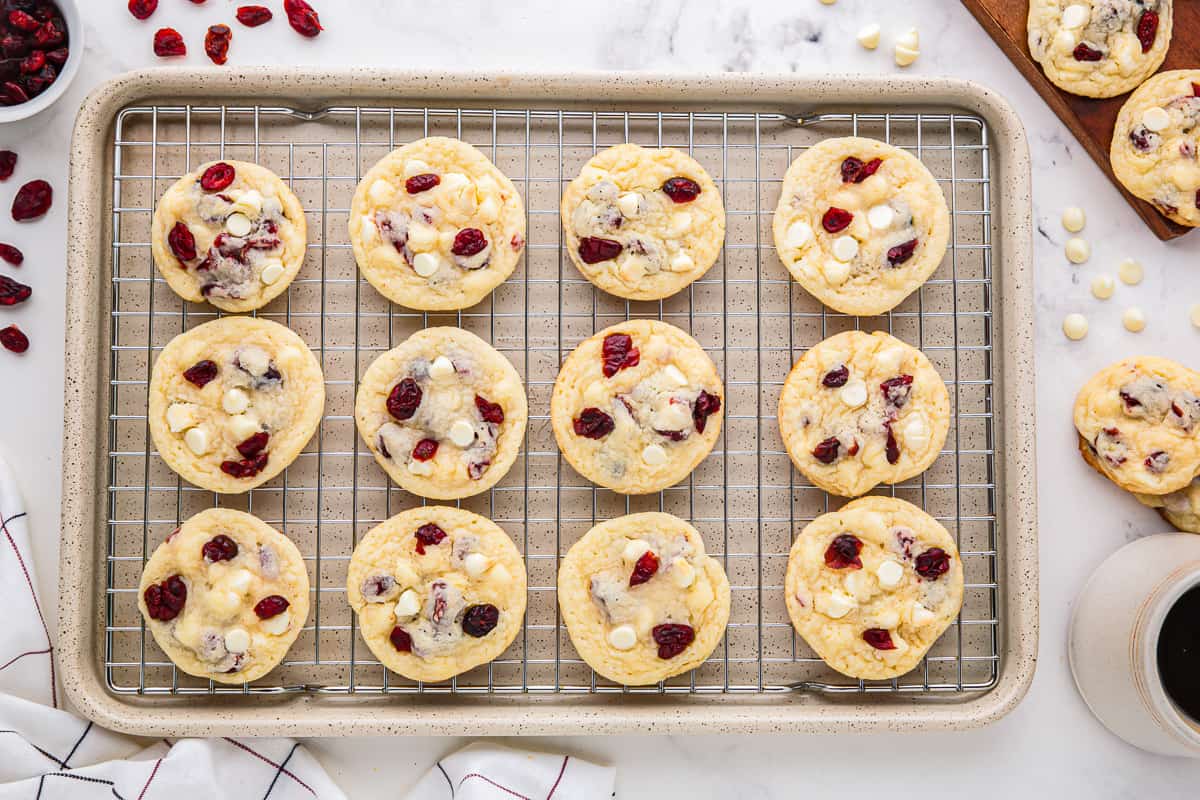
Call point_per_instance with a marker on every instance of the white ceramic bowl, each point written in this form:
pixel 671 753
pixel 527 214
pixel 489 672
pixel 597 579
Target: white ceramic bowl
pixel 1114 641
pixel 70 12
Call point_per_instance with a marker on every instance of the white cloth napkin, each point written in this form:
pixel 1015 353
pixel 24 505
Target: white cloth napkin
pixel 485 771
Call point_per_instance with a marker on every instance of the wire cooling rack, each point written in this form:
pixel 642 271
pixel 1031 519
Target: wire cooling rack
pixel 746 498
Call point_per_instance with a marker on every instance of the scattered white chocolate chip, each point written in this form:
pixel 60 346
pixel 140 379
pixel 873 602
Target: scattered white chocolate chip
pixel 682 262
pixel 635 549
pixel 1156 118
pixel 675 376
pixel 889 574
pixel 911 39
pixel 408 604
pixel 1130 272
pixel 906 56
pixel 489 209
pixel 421 237
pixel 1074 219
pixel 1075 326
pixel 916 432
pixel 680 222
pixel 235 401
pixel 224 604
pixel 181 416
pixel 654 455
pixel 423 468
pixel 1076 16
pixel 798 235
pixel 243 427
pixel 1065 39
pixel 278 624
pixel 889 360
pixel 415 167
pixel 1134 319
pixel 887 619
pixel 622 637
pixel 836 272
pixel 835 605
pixel 1103 286
pixel 197 441
pixel 461 433
pixel 859 585
pixel 441 368
pixel 249 202
pixel 854 393
pixel 454 181
pixel 272 271
pixel 881 217
pixel 237 640
pixel 682 573
pixel 868 36
pixel 845 248
pixel 1078 250
pixel 629 203
pixel 1194 315
pixel 476 564
pixel 240 581
pixel 922 615
pixel 426 264
pixel 500 574
pixel 381 191
pixel 238 224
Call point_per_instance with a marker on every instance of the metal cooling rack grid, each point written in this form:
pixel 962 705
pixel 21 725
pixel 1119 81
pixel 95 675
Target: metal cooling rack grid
pixel 746 498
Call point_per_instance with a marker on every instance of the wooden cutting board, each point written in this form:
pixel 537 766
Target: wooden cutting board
pixel 1090 120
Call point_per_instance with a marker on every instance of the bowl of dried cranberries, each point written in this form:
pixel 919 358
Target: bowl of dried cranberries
pixel 41 45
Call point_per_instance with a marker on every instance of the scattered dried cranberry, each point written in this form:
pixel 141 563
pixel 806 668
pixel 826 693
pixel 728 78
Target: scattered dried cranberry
pixel 593 250
pixel 1196 90
pixel 182 242
pixel 216 43
pixel 12 292
pixel 165 600
pixel 706 405
pixel 271 606
pixel 254 445
pixel 855 171
pixel 219 548
pixel 491 412
pixel 168 42
pixel 41 80
pixel 893 447
pixel 827 451
pixel 12 94
pixel 302 18
pixel 24 21
pixel 1157 461
pixel 1147 30
pixel 836 219
pixel 8 164
pixel 33 62
pixel 592 423
pixel 836 377
pixel 421 183
pixel 843 551
pixel 425 449
pixel 468 242
pixel 932 564
pixel 32 201
pixel 404 399
pixel 12 46
pixel 401 640
pixel 142 9
pixel 428 534
pixel 218 177
pixel 11 254
pixel 247 467
pixel 619 353
pixel 672 638
pixel 897 390
pixel 901 253
pixel 50 35
pixel 681 190
pixel 200 373
pixel 58 57
pixel 1085 53
pixel 14 339
pixel 479 621
pixel 1142 138
pixel 879 639
pixel 645 569
pixel 253 16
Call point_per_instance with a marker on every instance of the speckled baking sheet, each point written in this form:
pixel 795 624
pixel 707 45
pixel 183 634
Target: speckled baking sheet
pixel 141 133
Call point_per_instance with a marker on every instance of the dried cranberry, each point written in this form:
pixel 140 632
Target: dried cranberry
pixel 24 21
pixel 253 16
pixel 401 640
pixel 428 534
pixel 41 80
pixel 476 469
pixel 897 390
pixel 142 9
pixel 12 292
pixel 254 445
pixel 200 373
pixel 592 423
pixel 169 42
pixel 1085 53
pixel 32 201
pixel 491 412
pixel 674 436
pixel 33 62
pixel 12 94
pixel 165 600
pixel 271 606
pixel 879 639
pixel 219 548
pixel 14 339
pixel 1198 198
pixel 302 18
pixel 11 254
pixel 247 467
pixel 1129 400
pixel 404 399
pixel 421 183
pixel 619 353
pixel 836 377
pixel 827 451
pixel 681 190
pixel 593 250
pixel 1157 461
pixel 50 35
pixel 182 242
pixel 216 43
pixel 892 448
pixel 468 242
pixel 480 620
pixel 425 450
pixel 901 253
pixel 8 164
pixel 58 57
pixel 672 638
pixel 1142 138
pixel 706 405
pixel 932 564
pixel 644 569
pixel 843 551
pixel 218 177
pixel 13 46
pixel 855 171
pixel 836 219
pixel 1147 30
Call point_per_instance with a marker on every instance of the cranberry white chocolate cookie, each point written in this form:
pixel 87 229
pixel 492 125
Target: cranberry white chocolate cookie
pixel 443 413
pixel 641 599
pixel 1156 144
pixel 873 585
pixel 231 233
pixel 1139 424
pixel 436 226
pixel 438 591
pixel 225 596
pixel 860 224
pixel 1099 48
pixel 643 223
pixel 1181 508
pixel 233 402
pixel 637 406
pixel 860 409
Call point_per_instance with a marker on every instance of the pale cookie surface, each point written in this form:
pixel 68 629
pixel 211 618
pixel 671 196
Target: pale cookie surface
pixel 436 226
pixel 641 599
pixel 225 596
pixel 860 409
pixel 237 245
pixel 1156 145
pixel 860 224
pixel 234 401
pixel 1139 424
pixel 637 406
pixel 872 586
pixel 643 223
pixel 438 591
pixel 444 413
pixel 1099 48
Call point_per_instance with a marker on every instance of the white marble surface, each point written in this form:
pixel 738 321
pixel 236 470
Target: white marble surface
pixel 1050 746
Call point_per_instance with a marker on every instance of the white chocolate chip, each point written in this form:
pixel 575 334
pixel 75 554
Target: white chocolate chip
pixel 235 401
pixel 1156 118
pixel 922 615
pixel 680 222
pixel 1078 250
pixel 682 262
pixel 500 574
pixel 1134 319
pixel 1075 326
pixel 906 56
pixel 635 549
pixel 423 468
pixel 426 264
pixel 632 268
pixel 238 224
pixel 1076 16
pixel 224 604
pixel 1065 40
pixel 272 271
pixel 845 248
pixel 798 235
pixel 196 440
pixel 889 574
pixel 249 202
pixel 243 427
pixel 629 203
pixel 1103 286
pixel 654 455
pixel 415 167
pixel 881 217
pixel 911 39
pixel 682 573
pixel 1073 219
pixel 916 432
pixel 675 376
pixel 489 209
pixel 1130 272
pixel 421 237
pixel 889 360
pixel 868 36
pixel 858 585
pixel 407 605
pixel 622 637
pixel 836 272
pixel 237 640
pixel 181 416
pixel 854 393
pixel 381 192
pixel 476 564
pixel 1194 315
pixel 834 605
pixel 441 368
pixel 887 620
pixel 278 624
pixel 454 181
pixel 240 581
pixel 461 433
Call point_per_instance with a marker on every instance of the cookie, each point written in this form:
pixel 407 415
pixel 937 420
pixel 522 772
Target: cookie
pixel 436 226
pixel 641 599
pixel 860 409
pixel 437 591
pixel 643 223
pixel 1139 424
pixel 225 596
pixel 233 402
pixel 873 585
pixel 1181 508
pixel 231 233
pixel 1099 48
pixel 637 406
pixel 1156 145
pixel 444 414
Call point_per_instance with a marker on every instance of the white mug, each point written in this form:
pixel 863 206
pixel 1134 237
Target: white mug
pixel 1114 641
